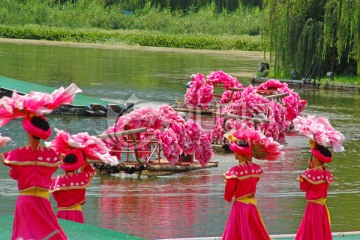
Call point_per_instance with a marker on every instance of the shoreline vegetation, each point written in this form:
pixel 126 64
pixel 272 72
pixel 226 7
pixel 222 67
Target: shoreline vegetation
pixel 123 24
pixel 133 37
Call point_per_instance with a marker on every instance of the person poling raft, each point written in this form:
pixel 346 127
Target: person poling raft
pixel 33 164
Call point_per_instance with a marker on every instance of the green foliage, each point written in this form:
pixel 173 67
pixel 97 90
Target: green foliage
pixel 131 15
pixel 132 37
pixel 303 32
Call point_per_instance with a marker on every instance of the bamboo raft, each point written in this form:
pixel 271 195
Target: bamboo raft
pixel 154 165
pixel 161 168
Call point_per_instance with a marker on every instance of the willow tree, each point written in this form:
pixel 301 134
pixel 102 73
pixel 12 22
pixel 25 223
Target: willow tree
pixel 302 33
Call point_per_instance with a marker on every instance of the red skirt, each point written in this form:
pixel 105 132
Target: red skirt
pixel 35 219
pixel 315 224
pixel 245 223
pixel 71 215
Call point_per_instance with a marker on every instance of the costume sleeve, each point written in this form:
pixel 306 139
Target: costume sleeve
pixel 230 188
pixel 88 169
pixel 304 184
pixel 13 173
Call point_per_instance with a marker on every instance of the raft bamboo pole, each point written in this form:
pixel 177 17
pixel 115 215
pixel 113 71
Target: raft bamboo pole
pixel 236 89
pixel 277 95
pixel 180 168
pixel 233 90
pixel 118 134
pixel 255 120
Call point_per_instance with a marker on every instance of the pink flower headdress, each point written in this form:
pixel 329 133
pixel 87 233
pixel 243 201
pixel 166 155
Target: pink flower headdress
pixel 92 147
pixel 262 147
pixel 35 103
pixel 320 131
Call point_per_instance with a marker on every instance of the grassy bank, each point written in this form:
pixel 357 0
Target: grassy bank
pixel 133 37
pixel 91 21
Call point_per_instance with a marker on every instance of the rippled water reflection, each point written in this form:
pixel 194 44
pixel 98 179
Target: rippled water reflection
pixel 188 204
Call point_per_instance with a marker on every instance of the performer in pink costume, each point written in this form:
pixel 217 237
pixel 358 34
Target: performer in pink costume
pixel 69 189
pixel 315 182
pixel 32 166
pixel 244 222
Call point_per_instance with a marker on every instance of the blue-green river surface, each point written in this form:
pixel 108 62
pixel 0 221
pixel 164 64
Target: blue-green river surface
pixel 188 204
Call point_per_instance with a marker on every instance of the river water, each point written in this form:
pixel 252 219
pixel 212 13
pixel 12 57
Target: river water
pixel 188 204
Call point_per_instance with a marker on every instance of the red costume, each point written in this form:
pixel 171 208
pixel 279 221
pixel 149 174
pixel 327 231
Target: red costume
pixel 34 217
pixel 316 222
pixel 69 192
pixel 244 221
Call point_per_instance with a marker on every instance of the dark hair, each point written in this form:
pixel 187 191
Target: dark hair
pixel 40 123
pixel 323 150
pixel 242 143
pixel 70 158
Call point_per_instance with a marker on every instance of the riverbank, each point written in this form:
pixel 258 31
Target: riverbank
pixel 133 37
pixel 247 54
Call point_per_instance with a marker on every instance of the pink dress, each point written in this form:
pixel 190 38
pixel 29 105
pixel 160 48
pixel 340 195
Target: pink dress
pixel 34 217
pixel 69 192
pixel 244 222
pixel 316 222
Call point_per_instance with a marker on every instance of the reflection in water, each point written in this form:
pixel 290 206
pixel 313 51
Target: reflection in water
pixel 170 206
pixel 188 204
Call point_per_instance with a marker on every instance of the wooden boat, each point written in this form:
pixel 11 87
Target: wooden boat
pixel 336 235
pixel 310 84
pixel 291 82
pixel 82 105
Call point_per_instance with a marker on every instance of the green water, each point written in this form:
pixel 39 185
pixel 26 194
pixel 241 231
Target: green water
pixel 188 204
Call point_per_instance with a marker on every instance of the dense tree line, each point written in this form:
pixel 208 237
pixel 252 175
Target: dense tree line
pixel 179 5
pixel 306 33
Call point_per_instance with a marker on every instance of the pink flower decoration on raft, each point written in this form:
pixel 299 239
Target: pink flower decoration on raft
pixel 174 134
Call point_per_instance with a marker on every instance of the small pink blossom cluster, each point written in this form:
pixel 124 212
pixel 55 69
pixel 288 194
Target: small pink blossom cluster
pixel 38 103
pixel 4 140
pixel 253 104
pixel 92 147
pixel 175 135
pixel 263 148
pixel 293 103
pixel 201 90
pixel 320 131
